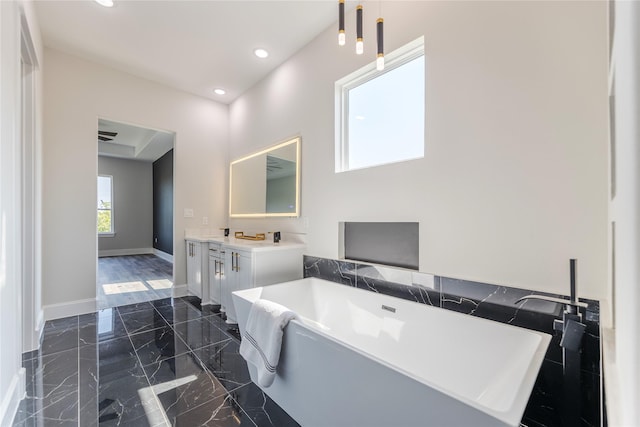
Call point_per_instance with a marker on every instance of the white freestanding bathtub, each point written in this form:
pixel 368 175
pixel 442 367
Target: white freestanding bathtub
pixel 351 360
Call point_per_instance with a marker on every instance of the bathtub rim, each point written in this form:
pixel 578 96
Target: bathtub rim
pixel 512 416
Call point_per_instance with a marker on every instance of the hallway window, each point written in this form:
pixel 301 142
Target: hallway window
pixel 105 205
pixel 380 115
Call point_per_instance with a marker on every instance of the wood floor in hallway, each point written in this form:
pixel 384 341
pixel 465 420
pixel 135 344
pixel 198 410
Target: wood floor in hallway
pixel 132 279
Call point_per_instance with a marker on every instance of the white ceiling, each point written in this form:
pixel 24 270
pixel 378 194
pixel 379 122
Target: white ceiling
pixel 194 46
pixel 133 142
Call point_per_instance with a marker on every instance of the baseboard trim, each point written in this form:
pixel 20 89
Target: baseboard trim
pixel 12 398
pixel 36 339
pixel 123 252
pixel 180 290
pixel 72 308
pixel 40 326
pixel 165 256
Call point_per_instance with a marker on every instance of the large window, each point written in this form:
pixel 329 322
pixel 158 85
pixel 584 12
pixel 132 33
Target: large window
pixel 380 117
pixel 105 205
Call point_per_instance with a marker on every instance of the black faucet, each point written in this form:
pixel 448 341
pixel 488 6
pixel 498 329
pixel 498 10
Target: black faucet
pixel 572 330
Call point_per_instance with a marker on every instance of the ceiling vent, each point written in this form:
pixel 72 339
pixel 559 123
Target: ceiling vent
pixel 105 136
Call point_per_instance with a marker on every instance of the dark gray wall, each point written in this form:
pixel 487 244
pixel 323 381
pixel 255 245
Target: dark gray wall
pixel 163 203
pixel 390 243
pixel 132 204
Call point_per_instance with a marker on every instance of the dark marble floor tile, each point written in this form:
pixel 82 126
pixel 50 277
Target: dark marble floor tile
pixel 193 300
pixel 158 344
pixel 210 310
pixel 58 369
pixel 141 321
pixel 178 312
pixel 121 398
pixel 59 335
pixel 88 384
pixel 263 411
pixel 136 418
pixel 182 383
pixel 132 308
pixel 225 362
pixel 38 421
pixel 199 333
pixel 58 402
pixel 217 320
pixel 233 330
pixel 161 302
pixel 65 323
pixel 115 352
pixel 103 325
pixel 220 412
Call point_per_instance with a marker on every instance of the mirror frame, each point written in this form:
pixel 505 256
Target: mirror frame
pixel 297 141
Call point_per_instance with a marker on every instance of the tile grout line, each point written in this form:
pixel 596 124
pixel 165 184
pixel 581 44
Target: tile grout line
pixel 228 392
pixel 155 396
pixel 78 354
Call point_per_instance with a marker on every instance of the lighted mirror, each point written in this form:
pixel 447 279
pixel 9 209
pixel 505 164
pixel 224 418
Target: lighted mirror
pixel 266 183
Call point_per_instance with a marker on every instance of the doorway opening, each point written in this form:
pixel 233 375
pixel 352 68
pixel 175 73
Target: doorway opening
pixel 135 185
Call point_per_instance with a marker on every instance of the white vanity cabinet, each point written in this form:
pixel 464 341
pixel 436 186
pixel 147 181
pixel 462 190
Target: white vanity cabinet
pixel 216 272
pixel 197 268
pixel 249 266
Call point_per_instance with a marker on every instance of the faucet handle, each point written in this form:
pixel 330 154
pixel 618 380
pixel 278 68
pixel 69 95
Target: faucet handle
pixel 572 335
pixel 564 301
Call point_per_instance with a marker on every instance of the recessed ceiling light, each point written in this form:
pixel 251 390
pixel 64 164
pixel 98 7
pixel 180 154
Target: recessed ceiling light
pixel 105 3
pixel 261 53
pixel 220 91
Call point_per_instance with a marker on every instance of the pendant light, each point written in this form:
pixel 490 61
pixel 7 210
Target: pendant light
pixel 341 35
pixel 359 40
pixel 380 40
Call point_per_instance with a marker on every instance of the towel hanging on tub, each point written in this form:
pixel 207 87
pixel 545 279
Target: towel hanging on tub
pixel 262 339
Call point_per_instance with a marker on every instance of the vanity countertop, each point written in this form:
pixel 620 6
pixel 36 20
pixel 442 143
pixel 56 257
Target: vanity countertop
pixel 250 245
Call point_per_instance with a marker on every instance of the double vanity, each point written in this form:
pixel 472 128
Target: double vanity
pixel 217 266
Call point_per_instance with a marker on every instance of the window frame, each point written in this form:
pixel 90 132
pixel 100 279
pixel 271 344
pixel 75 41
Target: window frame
pixel 112 232
pixel 397 58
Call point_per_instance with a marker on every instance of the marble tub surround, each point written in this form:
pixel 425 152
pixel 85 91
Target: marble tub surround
pixel 174 365
pixel 496 303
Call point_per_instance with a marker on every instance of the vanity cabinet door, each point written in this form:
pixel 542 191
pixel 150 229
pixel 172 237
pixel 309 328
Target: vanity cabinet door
pixel 238 270
pixel 194 268
pixel 216 273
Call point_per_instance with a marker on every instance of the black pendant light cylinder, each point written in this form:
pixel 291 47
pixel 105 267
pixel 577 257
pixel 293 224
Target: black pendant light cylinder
pixel 359 41
pixel 359 22
pixel 380 34
pixel 341 34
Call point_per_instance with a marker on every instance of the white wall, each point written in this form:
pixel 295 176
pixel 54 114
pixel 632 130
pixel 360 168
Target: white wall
pixel 32 155
pixel 11 387
pixel 12 322
pixel 132 204
pixel 514 179
pixel 77 92
pixel 623 400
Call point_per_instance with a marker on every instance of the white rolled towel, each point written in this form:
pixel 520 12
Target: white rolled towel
pixel 262 339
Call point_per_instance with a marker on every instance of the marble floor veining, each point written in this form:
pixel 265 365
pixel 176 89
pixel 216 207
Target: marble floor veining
pixel 157 363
